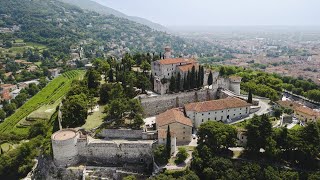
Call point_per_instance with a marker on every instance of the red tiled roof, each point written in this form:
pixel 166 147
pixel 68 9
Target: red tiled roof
pixel 6 95
pixel 306 110
pixel 172 116
pixel 188 67
pixel 176 61
pixel 216 105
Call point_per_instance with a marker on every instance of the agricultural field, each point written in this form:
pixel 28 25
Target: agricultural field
pixel 47 97
pixel 13 51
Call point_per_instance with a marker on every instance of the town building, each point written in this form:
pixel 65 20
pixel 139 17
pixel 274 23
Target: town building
pixel 224 110
pixel 179 124
pixel 306 114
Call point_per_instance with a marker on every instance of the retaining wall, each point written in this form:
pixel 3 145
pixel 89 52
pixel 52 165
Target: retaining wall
pixel 155 105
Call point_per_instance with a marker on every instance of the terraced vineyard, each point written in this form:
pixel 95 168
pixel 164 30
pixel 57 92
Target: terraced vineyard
pixel 48 95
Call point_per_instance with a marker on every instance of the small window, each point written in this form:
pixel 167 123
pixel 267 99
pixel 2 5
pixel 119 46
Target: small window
pixel 215 112
pixel 184 132
pixel 184 127
pixel 208 119
pixel 234 114
pixel 222 111
pixel 202 114
pixel 215 118
pixel 141 160
pixel 183 137
pixel 202 120
pixel 228 110
pixel 209 113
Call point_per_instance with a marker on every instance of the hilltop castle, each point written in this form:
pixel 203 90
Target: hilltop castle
pixel 163 69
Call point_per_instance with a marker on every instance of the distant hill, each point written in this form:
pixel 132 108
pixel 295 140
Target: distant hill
pixel 99 8
pixel 60 25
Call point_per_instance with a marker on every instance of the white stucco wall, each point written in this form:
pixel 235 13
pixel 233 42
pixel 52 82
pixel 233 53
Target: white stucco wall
pixel 221 115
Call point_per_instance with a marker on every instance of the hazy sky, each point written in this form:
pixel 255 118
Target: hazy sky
pixel 221 12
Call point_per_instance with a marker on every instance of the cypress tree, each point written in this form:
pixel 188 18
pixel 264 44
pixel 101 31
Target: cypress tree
pixel 197 82
pixel 185 86
pixel 250 96
pixel 110 75
pixel 178 84
pixel 152 81
pixel 168 143
pixel 210 79
pixel 172 85
pixel 201 76
pixel 193 78
pixel 188 80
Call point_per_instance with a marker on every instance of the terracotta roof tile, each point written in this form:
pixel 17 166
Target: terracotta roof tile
pixel 175 61
pixel 214 105
pixel 172 116
pixel 187 67
pixel 306 110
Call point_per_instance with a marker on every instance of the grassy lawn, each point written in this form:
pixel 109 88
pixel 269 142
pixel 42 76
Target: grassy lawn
pixel 6 147
pixel 296 127
pixel 95 119
pixel 38 63
pixel 45 112
pixel 49 95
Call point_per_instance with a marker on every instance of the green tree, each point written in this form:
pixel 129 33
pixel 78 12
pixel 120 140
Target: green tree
pixel 137 121
pixel 143 83
pixel 210 79
pixel 2 115
pixel 178 83
pixel 37 129
pixel 250 96
pixel 193 78
pixel 182 155
pixel 104 93
pixel 259 129
pixel 110 75
pixel 168 143
pixel 74 111
pixel 117 108
pixel 172 85
pixel 9 108
pixel 94 79
pixel 160 155
pixel 145 66
pixel 216 135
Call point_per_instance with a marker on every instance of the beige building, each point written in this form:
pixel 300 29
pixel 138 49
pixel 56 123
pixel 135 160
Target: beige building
pixel 223 110
pixel 179 124
pixel 306 114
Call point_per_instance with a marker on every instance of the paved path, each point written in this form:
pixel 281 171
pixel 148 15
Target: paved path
pixel 264 104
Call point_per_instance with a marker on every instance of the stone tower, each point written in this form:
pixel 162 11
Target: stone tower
pixel 168 52
pixel 234 85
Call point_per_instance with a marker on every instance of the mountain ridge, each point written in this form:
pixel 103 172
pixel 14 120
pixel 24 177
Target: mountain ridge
pixel 102 9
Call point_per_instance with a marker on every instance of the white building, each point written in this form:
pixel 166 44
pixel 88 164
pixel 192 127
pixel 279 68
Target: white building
pixel 223 110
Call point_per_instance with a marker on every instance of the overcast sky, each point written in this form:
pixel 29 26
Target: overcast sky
pixel 221 12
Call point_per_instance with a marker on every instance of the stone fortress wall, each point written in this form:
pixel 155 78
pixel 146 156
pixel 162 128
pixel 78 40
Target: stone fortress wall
pixel 70 148
pixel 159 104
pixel 121 134
pixel 155 105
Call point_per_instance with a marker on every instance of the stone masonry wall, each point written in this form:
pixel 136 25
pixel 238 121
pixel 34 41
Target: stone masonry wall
pixel 115 154
pixel 121 134
pixel 159 104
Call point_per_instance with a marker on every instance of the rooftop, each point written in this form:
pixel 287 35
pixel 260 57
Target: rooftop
pixel 215 105
pixel 64 135
pixel 172 116
pixel 306 110
pixel 176 61
pixel 188 67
